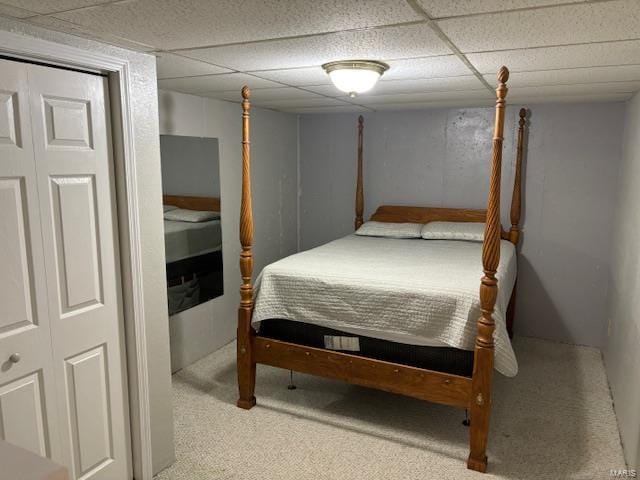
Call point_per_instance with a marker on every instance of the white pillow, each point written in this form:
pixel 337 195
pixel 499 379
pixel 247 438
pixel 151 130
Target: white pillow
pixel 193 216
pixel 472 231
pixel 168 208
pixel 389 229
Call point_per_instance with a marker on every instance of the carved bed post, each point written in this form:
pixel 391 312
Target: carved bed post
pixel 516 199
pixel 480 405
pixel 516 207
pixel 359 188
pixel 246 364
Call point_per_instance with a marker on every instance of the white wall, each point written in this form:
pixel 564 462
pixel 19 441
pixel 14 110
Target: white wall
pixel 190 166
pixel 203 329
pixel 144 105
pixel 441 158
pixel 622 351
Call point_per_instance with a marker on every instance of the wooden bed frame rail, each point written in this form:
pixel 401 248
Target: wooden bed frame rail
pixel 472 393
pixel 211 204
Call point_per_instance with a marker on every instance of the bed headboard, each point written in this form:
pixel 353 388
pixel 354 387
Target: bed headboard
pixel 401 214
pixel 193 203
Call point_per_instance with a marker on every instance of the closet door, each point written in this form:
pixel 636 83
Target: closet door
pixel 74 169
pixel 27 391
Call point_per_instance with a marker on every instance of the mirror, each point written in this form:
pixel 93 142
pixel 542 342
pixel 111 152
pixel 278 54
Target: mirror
pixel 192 220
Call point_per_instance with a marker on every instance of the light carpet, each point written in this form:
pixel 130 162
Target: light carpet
pixel 555 420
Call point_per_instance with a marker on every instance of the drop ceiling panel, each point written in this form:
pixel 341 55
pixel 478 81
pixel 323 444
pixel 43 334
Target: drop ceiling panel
pixel 573 90
pixel 297 77
pixel 571 76
pixel 570 56
pixel 300 103
pixel 450 8
pixel 426 67
pixel 173 66
pixel 15 12
pixel 468 82
pixel 587 22
pixel 378 44
pixel 339 109
pixel 212 83
pixel 191 23
pixel 264 94
pixel 604 97
pixel 407 98
pixel 450 103
pixel 52 6
pixel 54 23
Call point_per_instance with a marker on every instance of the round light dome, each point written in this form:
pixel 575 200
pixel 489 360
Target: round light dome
pixel 355 76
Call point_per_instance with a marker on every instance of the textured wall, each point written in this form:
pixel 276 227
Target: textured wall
pixel 441 158
pixel 622 355
pixel 206 327
pixel 144 105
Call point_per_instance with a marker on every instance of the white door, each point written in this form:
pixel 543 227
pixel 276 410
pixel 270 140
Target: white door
pixel 72 175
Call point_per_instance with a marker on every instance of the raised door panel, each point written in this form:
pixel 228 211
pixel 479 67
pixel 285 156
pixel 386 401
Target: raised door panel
pixel 9 124
pixel 86 377
pixel 16 295
pixel 22 414
pixel 76 237
pixel 68 122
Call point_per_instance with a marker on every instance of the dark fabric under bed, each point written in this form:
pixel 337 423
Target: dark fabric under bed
pixel 442 359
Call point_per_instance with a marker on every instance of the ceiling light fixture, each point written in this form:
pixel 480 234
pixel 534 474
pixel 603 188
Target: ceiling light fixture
pixel 355 76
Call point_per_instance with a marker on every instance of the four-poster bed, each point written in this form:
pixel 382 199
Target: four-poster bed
pixel 470 389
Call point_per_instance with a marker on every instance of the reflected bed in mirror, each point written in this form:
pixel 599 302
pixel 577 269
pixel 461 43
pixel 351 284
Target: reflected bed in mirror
pixel 192 220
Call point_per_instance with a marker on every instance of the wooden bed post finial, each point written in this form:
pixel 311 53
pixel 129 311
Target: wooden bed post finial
pixel 480 406
pixel 516 199
pixel 245 360
pixel 359 186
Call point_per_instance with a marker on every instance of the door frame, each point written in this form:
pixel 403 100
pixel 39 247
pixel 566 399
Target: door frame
pixel 118 70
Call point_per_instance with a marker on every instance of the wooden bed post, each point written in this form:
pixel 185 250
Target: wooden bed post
pixel 359 187
pixel 516 199
pixel 246 364
pixel 480 405
pixel 516 207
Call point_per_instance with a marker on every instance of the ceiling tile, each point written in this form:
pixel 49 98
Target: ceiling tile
pixel 212 83
pixel 173 66
pixel 15 12
pixel 571 76
pixel 585 98
pixel 587 22
pixel 297 77
pixel 264 94
pixel 52 6
pixel 67 27
pixel 450 8
pixel 451 103
pixel 426 67
pixel 469 82
pixel 425 97
pixel 571 56
pixel 573 90
pixel 170 24
pixel 377 44
pixel 300 103
pixel 337 109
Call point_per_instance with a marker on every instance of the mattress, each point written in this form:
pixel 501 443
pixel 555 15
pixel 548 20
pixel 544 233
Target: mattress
pixel 188 239
pixel 415 291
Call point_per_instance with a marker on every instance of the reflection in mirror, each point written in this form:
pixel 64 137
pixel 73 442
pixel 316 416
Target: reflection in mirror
pixel 192 223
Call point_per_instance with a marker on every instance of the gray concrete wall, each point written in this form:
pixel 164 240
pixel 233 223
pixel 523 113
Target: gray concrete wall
pixel 274 140
pixel 441 158
pixel 622 352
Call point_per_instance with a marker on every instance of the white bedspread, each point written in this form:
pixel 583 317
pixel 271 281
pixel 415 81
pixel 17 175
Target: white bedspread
pixel 189 239
pixel 419 292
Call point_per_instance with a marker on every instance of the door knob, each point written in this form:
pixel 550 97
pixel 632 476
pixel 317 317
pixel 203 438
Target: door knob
pixel 14 357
